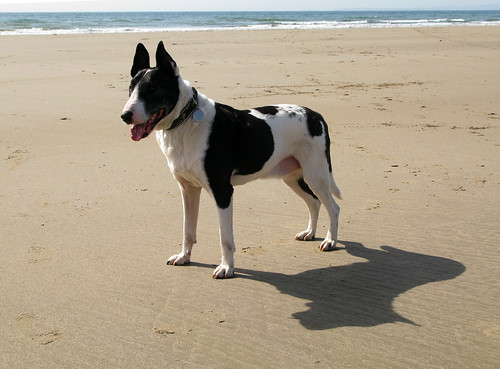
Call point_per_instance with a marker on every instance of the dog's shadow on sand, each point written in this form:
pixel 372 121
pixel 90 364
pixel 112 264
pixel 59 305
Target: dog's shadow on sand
pixel 360 294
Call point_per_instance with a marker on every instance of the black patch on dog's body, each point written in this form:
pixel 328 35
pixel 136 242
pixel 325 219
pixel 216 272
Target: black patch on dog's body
pixel 316 125
pixel 239 144
pixel 268 110
pixel 327 147
pixel 305 187
pixel 314 122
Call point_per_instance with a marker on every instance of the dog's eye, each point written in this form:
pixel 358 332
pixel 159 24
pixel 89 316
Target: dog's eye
pixel 148 89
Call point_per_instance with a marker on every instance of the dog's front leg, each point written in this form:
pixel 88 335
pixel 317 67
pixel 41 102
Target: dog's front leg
pixel 226 268
pixel 191 205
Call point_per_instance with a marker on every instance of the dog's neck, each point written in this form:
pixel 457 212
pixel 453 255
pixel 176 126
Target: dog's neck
pixel 186 104
pixel 186 112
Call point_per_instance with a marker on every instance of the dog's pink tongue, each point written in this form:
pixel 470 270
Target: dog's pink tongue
pixel 137 132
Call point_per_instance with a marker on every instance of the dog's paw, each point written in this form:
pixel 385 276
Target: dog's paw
pixel 179 259
pixel 223 271
pixel 307 235
pixel 328 244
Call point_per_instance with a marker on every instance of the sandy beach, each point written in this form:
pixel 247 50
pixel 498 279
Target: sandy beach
pixel 89 217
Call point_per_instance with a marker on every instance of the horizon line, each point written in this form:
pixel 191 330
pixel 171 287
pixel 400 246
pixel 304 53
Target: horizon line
pixel 255 11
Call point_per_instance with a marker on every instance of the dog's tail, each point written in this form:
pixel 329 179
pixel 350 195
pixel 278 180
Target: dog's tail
pixel 335 189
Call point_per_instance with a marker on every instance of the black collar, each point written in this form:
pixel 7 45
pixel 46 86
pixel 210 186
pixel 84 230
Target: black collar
pixel 186 112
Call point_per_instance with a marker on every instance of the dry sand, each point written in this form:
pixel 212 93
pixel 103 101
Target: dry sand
pixel 89 218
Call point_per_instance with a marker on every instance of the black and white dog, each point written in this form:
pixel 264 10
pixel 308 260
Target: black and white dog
pixel 215 147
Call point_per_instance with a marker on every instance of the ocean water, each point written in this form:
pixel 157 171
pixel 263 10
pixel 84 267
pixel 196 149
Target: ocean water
pixel 74 23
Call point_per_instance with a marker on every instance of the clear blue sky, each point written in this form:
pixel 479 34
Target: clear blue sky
pixel 215 5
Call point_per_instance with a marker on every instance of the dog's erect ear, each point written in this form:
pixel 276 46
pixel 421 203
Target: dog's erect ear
pixel 164 60
pixel 141 60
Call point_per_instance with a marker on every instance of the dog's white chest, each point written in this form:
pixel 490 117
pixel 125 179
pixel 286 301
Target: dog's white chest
pixel 183 161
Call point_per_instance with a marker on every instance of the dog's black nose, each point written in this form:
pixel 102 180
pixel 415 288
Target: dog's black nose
pixel 127 116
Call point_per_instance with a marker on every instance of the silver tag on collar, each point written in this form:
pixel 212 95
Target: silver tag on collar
pixel 198 115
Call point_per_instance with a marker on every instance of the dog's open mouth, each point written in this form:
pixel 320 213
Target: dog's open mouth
pixel 140 131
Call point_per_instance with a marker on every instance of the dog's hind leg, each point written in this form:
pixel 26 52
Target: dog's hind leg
pixel 299 186
pixel 191 205
pixel 321 187
pixel 319 179
pixel 330 241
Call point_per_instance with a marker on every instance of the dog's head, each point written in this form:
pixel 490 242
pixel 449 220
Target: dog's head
pixel 153 92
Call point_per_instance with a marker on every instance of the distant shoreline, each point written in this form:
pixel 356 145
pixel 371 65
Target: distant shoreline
pixel 49 23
